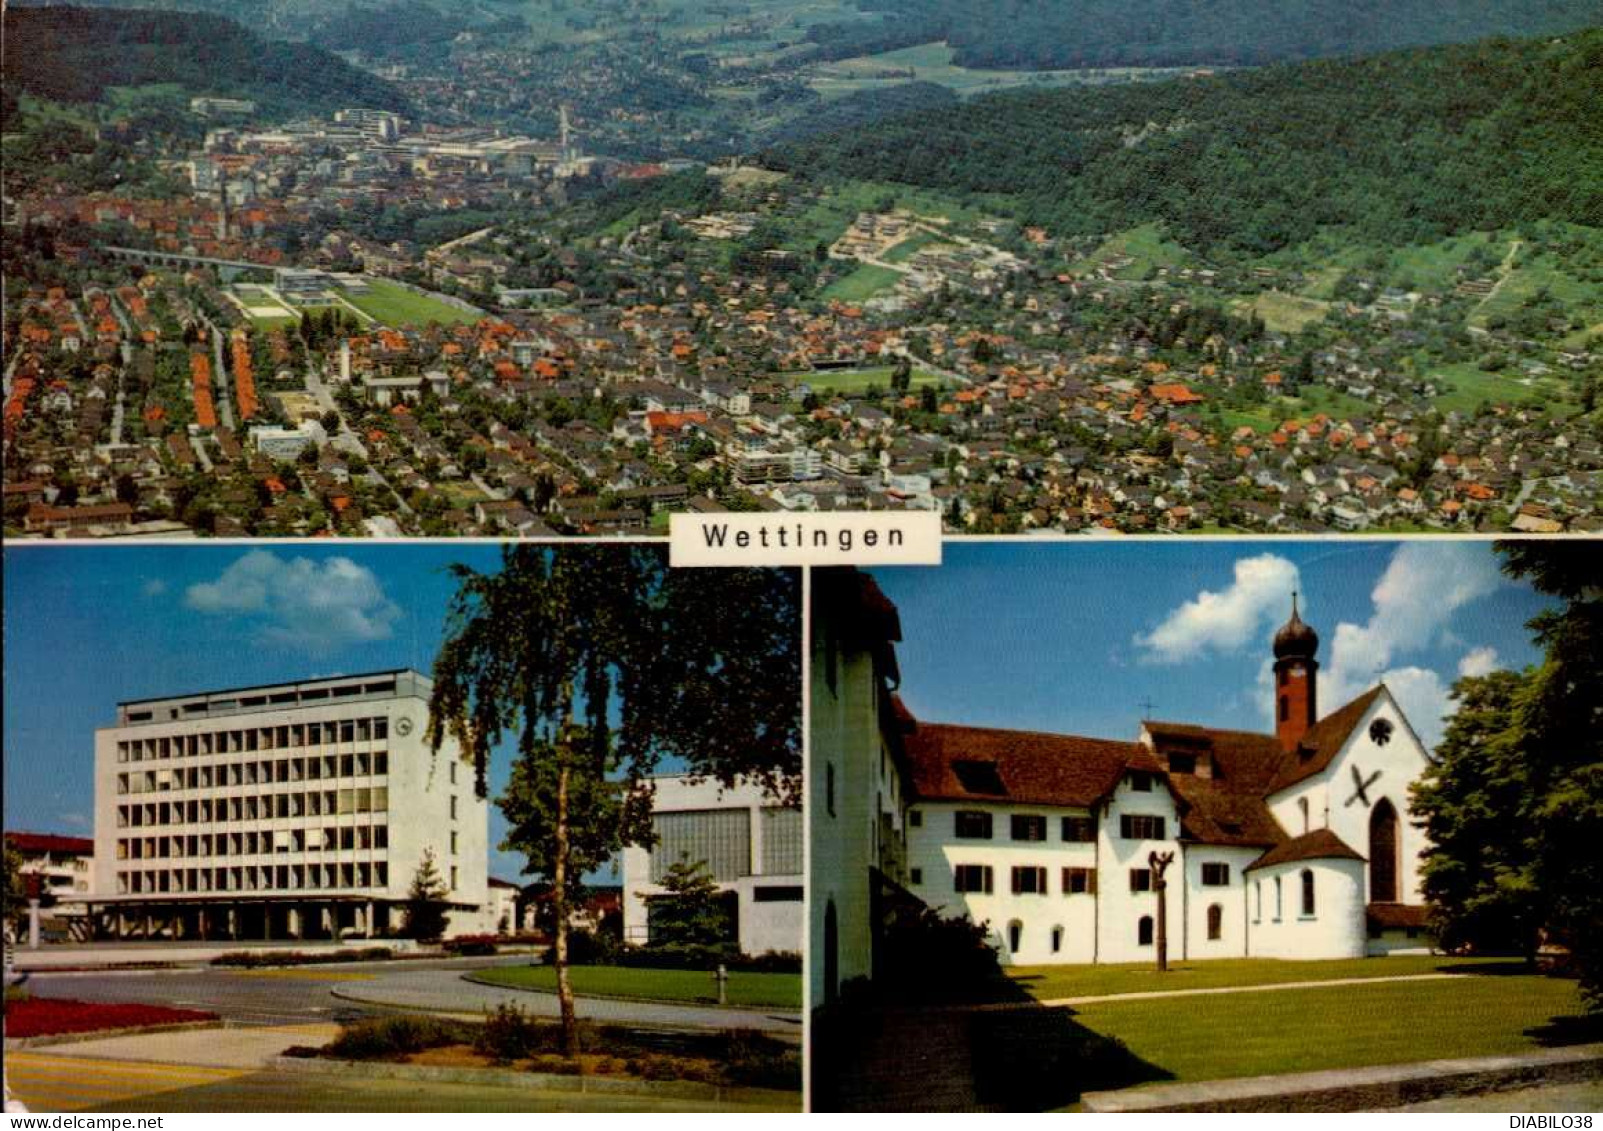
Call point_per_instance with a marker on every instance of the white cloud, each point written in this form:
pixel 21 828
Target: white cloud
pixel 1479 661
pixel 74 821
pixel 299 603
pixel 1225 621
pixel 1423 587
pixel 155 587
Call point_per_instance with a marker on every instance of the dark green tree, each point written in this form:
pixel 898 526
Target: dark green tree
pixel 693 916
pixel 426 917
pixel 1477 877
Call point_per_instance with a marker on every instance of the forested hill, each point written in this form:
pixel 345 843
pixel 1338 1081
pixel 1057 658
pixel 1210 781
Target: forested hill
pixel 1170 33
pixel 1401 148
pixel 71 54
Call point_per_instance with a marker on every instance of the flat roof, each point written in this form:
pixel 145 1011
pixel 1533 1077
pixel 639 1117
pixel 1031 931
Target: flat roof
pixel 270 686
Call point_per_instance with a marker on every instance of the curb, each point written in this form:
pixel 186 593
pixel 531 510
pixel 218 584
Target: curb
pixel 343 994
pixel 541 1081
pixel 1360 1089
pixel 46 1040
pixel 777 1009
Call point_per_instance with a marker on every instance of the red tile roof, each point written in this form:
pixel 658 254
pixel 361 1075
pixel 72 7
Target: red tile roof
pixel 1398 915
pixel 32 844
pixel 1033 768
pixel 1323 740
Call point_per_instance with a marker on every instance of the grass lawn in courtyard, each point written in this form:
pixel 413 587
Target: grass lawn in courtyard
pixel 782 991
pixel 1268 1033
pixel 1050 983
pixel 394 305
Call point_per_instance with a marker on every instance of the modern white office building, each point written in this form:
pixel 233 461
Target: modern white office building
pixel 752 846
pixel 289 811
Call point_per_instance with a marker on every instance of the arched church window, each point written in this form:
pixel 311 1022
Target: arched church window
pixel 1015 935
pixel 1216 921
pixel 1057 939
pixel 1279 904
pixel 1307 891
pixel 1257 897
pixel 1302 807
pixel 1143 931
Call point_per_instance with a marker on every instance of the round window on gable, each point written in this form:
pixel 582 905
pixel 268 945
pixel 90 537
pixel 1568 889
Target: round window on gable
pixel 1380 732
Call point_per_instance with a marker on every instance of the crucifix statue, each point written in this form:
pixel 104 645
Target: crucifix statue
pixel 1160 862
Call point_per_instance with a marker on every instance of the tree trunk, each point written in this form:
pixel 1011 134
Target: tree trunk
pixel 559 899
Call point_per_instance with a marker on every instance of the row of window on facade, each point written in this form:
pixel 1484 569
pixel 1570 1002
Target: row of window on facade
pixel 259 877
pixel 1143 930
pixel 349 838
pixel 263 807
pixel 330 767
pixel 282 737
pixel 1306 881
pixel 722 840
pixel 1031 879
pixel 975 824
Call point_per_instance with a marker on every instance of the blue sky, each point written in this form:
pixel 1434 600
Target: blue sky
pixel 1076 639
pixel 88 627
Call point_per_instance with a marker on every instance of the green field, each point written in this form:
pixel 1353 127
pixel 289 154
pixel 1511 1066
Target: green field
pixel 1050 983
pixel 781 991
pixel 1285 313
pixel 1267 1033
pixel 863 283
pixel 394 305
pixel 1313 400
pixel 856 381
pixel 1471 386
pixel 1147 246
pixel 911 246
pixel 932 62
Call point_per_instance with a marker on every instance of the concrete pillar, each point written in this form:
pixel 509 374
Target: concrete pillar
pixel 367 920
pixel 294 915
pixel 150 926
pixel 233 921
pixel 329 916
pixel 33 924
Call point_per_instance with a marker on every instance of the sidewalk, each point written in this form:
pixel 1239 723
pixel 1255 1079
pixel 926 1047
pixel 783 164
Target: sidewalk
pixel 243 1047
pixel 1361 1089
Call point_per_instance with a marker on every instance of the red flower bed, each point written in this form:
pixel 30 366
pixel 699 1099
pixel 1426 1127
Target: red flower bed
pixel 43 1016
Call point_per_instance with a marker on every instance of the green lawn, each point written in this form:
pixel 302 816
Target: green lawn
pixel 911 246
pixel 1049 983
pixel 863 283
pixel 782 991
pixel 849 381
pixel 394 305
pixel 1470 386
pixel 1253 1034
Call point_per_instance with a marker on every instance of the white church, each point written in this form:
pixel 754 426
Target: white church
pixel 1295 844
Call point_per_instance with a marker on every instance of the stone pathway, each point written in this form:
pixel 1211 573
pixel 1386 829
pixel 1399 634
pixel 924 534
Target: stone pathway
pixel 1145 995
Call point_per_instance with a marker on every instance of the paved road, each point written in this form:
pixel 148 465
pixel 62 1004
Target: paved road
pixel 345 992
pixel 446 991
pixel 281 996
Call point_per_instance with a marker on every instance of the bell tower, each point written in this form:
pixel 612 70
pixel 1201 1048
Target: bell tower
pixel 1296 680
